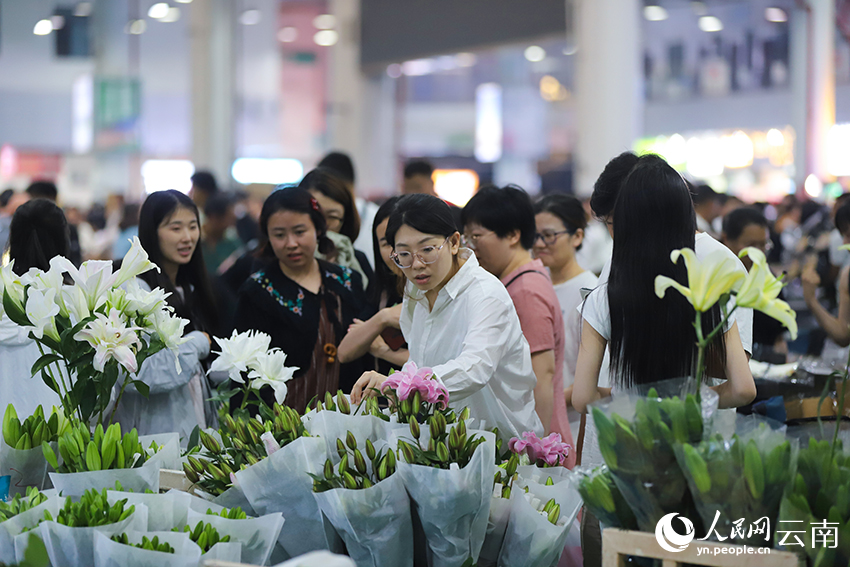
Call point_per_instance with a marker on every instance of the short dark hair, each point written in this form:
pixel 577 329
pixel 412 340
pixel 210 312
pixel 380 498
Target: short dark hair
pixel 43 190
pixel 38 233
pixel 842 218
pixel 502 210
pixel 332 186
pixel 205 182
pixel 340 164
pixel 425 213
pixel 703 194
pixel 418 167
pixel 6 196
pixel 567 208
pixel 297 200
pixel 735 222
pixel 217 204
pixel 607 186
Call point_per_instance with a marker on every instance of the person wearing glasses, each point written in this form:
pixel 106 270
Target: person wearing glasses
pixel 303 303
pixel 561 222
pixel 458 320
pixel 499 225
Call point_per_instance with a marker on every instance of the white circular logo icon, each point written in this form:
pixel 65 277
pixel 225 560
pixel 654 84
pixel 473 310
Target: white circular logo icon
pixel 668 538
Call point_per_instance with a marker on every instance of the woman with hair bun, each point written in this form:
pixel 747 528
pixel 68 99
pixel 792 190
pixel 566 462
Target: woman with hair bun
pixel 303 303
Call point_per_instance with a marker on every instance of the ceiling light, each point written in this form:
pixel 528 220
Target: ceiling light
pixel 654 13
pixel 710 24
pixel 172 16
pixel 571 49
pixel 774 14
pixel 465 59
pixel 326 38
pixel 184 1
pixel 158 10
pixel 324 21
pixel 287 34
pixel 82 10
pixel 57 22
pixel 136 27
pixel 43 27
pixel 775 137
pixel 250 17
pixel 418 67
pixel 535 53
pixel 394 70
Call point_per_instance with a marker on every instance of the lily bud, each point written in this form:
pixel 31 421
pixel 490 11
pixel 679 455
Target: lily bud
pixel 340 448
pixel 329 401
pixel 190 473
pixel 350 440
pixel 359 462
pixel 349 481
pixel 464 414
pixel 414 427
pixel 442 452
pixel 343 465
pixel 370 450
pixel 407 452
pixel 404 407
pixel 329 470
pixel 433 424
pixel 343 403
pixel 417 402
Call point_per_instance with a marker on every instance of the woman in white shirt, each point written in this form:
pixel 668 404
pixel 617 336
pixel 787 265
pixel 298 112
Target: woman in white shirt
pixel 459 320
pixel 652 338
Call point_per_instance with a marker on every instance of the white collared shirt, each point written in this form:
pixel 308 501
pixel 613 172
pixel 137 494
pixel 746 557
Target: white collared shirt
pixel 473 341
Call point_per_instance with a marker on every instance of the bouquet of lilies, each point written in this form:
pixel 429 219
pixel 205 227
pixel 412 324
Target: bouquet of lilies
pixel 93 329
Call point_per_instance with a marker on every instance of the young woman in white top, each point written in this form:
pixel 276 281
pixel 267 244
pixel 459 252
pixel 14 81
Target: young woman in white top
pixel 652 338
pixel 459 320
pixel 561 221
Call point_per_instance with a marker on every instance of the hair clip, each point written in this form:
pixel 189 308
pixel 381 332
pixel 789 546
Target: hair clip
pixel 314 203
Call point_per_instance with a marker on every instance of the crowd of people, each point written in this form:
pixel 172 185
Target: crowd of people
pixel 527 310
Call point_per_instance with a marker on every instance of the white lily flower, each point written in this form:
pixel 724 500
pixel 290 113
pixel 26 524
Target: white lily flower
pixel 760 291
pixel 239 352
pixel 269 370
pixel 116 298
pixel 41 309
pixel 11 283
pixel 111 338
pixel 708 279
pixel 94 277
pixel 170 330
pixel 135 262
pixel 75 303
pixel 145 302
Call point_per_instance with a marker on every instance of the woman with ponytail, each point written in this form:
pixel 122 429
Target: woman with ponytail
pixel 303 303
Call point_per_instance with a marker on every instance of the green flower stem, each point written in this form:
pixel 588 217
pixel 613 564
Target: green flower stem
pixel 704 341
pixel 247 392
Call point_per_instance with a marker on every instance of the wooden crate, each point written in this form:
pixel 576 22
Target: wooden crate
pixel 617 545
pixel 169 479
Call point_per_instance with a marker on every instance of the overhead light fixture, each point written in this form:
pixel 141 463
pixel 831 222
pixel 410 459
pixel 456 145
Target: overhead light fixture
pixel 43 27
pixel 777 15
pixel 172 16
pixel 324 21
pixel 82 9
pixel 710 24
pixel 184 1
pixel 136 27
pixel 326 38
pixel 465 59
pixel 775 137
pixel 535 53
pixel 418 67
pixel 571 49
pixel 250 17
pixel 164 174
pixel 813 186
pixel 654 13
pixel 287 34
pixel 57 22
pixel 272 171
pixel 394 70
pixel 158 11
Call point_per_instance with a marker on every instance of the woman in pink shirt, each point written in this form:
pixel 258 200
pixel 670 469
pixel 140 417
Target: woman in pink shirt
pixel 499 226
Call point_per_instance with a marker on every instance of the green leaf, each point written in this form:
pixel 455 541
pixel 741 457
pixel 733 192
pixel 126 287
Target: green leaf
pixel 44 361
pixel 141 387
pixel 13 312
pixel 194 438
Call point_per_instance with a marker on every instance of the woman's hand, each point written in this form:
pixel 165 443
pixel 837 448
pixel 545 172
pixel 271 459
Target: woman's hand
pixel 811 281
pixel 367 384
pixel 390 316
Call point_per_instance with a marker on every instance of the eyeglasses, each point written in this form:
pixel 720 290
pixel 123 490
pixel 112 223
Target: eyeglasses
pixel 549 238
pixel 427 255
pixel 471 240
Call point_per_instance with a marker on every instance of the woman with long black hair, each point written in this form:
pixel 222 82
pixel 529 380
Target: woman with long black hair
pixel 652 338
pixel 38 233
pixel 303 303
pixel 380 335
pixel 169 231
